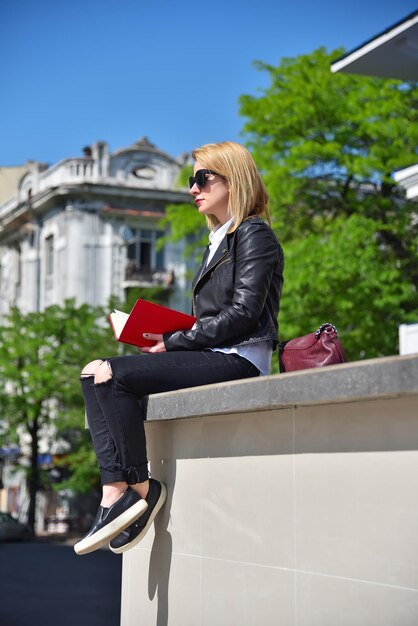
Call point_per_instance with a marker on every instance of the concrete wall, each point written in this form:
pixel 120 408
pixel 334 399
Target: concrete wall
pixel 293 500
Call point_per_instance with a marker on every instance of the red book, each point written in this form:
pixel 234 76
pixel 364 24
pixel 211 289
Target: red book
pixel 147 317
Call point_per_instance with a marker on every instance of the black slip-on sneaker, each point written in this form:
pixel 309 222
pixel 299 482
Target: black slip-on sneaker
pixel 110 521
pixel 132 535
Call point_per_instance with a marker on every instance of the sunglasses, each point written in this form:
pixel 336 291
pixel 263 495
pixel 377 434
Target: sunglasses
pixel 199 178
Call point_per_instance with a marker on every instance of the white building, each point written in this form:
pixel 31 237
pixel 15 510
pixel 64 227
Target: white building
pixel 87 228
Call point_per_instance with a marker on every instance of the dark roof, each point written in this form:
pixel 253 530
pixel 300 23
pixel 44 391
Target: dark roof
pixel 393 53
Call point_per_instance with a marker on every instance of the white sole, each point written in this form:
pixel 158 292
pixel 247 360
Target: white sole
pixel 134 542
pixel 111 530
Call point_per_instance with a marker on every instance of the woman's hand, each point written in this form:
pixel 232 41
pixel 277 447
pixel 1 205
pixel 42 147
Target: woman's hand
pixel 158 347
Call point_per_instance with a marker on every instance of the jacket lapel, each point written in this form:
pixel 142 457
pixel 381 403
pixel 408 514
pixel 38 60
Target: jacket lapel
pixel 201 269
pixel 221 251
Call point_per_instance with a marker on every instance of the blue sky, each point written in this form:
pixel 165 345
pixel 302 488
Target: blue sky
pixel 73 73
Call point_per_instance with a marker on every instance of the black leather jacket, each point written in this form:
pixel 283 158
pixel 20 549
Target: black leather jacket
pixel 236 297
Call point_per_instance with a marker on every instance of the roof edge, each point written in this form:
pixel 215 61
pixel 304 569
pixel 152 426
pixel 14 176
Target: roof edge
pixel 374 42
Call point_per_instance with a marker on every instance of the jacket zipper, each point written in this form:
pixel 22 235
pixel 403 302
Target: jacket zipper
pixel 221 261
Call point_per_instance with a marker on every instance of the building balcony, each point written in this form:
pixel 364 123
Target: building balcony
pixel 147 277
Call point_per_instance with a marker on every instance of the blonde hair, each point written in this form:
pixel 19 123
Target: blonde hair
pixel 247 193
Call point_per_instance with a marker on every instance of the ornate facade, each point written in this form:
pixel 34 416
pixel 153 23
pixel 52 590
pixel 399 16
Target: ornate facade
pixel 87 228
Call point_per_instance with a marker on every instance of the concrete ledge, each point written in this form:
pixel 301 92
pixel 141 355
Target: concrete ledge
pixel 292 499
pixel 386 377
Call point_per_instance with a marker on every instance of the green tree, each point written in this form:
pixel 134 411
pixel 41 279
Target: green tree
pixel 329 143
pixel 41 356
pixel 346 276
pixel 328 146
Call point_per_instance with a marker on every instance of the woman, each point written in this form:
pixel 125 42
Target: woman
pixel 236 296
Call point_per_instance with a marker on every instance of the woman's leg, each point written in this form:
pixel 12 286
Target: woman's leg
pixel 114 389
pixel 121 383
pixel 120 506
pixel 113 481
pixel 115 414
pixel 103 444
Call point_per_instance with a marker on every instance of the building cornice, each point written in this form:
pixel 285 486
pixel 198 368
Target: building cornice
pixel 408 179
pixel 14 213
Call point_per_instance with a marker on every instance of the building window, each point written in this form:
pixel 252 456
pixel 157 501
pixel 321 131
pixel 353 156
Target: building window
pixel 49 256
pixel 142 250
pixel 18 272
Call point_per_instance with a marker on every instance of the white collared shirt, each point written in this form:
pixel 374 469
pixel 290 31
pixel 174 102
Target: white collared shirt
pixel 215 237
pixel 260 352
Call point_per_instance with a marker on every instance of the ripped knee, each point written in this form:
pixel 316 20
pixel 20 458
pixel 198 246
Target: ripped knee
pixel 91 368
pixel 103 373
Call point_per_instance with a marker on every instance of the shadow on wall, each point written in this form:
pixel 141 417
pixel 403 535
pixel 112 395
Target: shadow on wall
pixel 162 547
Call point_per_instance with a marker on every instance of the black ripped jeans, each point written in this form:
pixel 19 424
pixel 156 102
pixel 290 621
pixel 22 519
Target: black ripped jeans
pixel 115 411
